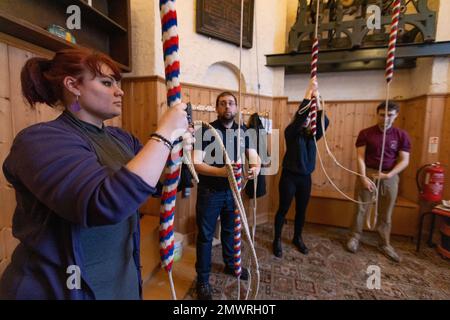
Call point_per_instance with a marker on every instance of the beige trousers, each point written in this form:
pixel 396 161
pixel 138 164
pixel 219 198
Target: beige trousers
pixel 386 201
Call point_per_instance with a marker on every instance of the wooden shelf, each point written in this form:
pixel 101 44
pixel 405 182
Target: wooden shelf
pixel 92 14
pixel 30 33
pixel 105 27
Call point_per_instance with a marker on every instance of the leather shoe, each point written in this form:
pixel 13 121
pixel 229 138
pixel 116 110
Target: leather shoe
pixel 204 291
pixel 300 245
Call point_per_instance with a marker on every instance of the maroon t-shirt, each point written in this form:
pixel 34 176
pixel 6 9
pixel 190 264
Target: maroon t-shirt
pixel 396 140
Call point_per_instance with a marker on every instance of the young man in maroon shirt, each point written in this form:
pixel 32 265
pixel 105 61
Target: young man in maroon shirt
pixel 395 160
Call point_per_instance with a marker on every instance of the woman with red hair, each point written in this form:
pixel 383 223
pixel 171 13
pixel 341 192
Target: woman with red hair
pixel 79 184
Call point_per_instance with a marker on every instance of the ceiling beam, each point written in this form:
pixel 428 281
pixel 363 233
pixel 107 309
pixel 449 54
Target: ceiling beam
pixel 364 56
pixel 353 66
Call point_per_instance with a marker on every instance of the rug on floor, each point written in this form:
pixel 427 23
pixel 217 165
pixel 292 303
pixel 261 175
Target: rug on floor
pixel 331 272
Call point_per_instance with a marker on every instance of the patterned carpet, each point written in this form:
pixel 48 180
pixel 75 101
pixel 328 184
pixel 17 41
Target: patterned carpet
pixel 330 272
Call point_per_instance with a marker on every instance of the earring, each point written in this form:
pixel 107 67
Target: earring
pixel 75 107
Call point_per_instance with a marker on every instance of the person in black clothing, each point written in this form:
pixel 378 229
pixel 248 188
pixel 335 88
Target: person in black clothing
pixel 214 195
pixel 298 164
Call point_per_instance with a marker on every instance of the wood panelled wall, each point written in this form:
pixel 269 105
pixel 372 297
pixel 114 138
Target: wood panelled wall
pixel 341 136
pixel 15 115
pixel 347 119
pixel 422 117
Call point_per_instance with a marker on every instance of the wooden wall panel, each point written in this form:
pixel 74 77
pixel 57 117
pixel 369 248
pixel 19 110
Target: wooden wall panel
pixel 421 118
pixel 139 112
pixel 433 125
pixel 413 122
pixel 281 115
pixel 347 119
pixel 6 129
pixel 7 198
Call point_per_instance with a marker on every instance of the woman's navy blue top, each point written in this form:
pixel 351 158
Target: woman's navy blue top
pixel 64 191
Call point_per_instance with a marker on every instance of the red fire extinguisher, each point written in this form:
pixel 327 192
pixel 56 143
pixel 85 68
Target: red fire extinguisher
pixel 430 182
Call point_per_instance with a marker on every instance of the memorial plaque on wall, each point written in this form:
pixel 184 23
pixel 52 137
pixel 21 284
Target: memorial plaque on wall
pixel 221 19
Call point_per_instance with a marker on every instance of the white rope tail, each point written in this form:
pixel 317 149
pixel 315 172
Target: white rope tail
pixel 172 286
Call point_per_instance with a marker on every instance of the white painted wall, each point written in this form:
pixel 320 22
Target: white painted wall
pixel 198 53
pixel 355 85
pixel 443 22
pixel 448 77
pixel 223 75
pixel 439 79
pixel 143 37
pixel 420 78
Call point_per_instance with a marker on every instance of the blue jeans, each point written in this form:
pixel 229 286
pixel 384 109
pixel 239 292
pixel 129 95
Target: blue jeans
pixel 211 204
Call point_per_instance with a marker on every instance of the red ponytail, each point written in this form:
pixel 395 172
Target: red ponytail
pixel 42 79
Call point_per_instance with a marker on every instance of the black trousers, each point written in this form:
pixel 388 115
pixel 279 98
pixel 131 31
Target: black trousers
pixel 291 185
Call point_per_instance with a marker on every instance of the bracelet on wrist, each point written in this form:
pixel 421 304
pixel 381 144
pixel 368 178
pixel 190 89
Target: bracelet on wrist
pixel 157 137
